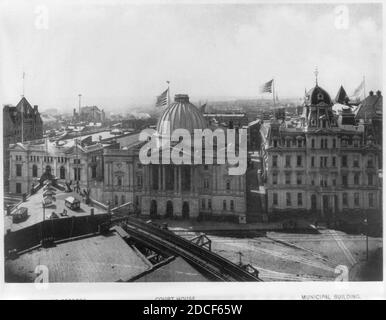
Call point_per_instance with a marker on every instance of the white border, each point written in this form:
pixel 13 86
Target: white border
pixel 196 290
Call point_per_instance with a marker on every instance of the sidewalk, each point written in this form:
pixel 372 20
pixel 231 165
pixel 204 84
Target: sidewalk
pixel 204 226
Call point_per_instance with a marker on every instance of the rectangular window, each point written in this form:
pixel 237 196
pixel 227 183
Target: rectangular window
pixel 203 203
pixel 288 198
pixel 312 162
pixel 356 199
pixel 356 162
pixel 370 162
pixel 288 143
pixel 313 143
pixel 93 172
pixel 209 204
pixel 224 205
pixel 139 181
pixel 299 161
pixel 334 161
pixel 356 179
pixel 287 178
pixel 344 199
pixel 275 200
pixel 333 143
pixel 323 162
pixel 370 179
pixel 274 178
pixel 299 179
pixel 76 174
pixel 232 205
pixel 18 170
pixel 344 161
pixel 371 200
pixel 300 199
pixel 274 161
pixel 288 161
pixel 344 180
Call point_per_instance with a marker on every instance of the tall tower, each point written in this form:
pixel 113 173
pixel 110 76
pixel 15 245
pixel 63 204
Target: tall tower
pixel 80 98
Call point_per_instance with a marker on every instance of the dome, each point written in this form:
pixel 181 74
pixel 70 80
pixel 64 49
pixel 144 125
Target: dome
pixel 181 114
pixel 318 95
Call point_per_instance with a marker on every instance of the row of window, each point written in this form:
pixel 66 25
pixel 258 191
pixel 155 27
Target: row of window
pixel 323 161
pixel 324 143
pixel 207 204
pixel 371 199
pixel 62 172
pixel 323 181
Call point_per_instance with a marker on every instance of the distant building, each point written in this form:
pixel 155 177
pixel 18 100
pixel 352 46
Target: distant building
pixel 90 114
pixel 22 120
pixel 230 120
pixel 326 165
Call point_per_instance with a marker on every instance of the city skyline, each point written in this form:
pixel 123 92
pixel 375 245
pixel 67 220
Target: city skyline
pixel 205 50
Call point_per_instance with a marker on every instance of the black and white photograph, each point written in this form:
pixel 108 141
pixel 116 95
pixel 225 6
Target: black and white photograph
pixel 170 143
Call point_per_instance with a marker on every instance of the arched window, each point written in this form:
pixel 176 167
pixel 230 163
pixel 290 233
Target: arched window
pixel 62 173
pixel 34 171
pixel 123 199
pixel 116 200
pixel 119 181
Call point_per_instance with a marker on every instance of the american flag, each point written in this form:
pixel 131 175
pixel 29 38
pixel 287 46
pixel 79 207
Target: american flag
pixel 162 100
pixel 358 91
pixel 266 87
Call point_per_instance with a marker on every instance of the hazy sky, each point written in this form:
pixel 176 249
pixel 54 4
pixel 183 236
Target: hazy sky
pixel 118 55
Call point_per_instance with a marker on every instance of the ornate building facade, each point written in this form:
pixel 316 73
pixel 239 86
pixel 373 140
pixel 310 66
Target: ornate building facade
pixel 64 160
pixel 186 191
pixel 323 165
pixel 20 123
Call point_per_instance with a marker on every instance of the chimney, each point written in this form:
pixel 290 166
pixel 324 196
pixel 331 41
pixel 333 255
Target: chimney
pixel 371 93
pixel 36 107
pixel 379 93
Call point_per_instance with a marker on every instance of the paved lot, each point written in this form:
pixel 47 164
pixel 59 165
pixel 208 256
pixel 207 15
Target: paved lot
pixel 297 257
pixel 36 212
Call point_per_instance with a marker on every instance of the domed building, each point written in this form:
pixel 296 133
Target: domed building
pixel 181 114
pixel 183 191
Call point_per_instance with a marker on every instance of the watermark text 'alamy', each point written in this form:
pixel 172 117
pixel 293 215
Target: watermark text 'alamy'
pixel 180 147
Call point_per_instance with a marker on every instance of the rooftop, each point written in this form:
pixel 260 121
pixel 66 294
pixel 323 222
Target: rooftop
pixel 35 209
pixel 101 258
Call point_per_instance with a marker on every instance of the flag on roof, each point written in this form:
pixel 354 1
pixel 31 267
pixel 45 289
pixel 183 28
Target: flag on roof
pixel 162 100
pixel 358 91
pixel 266 87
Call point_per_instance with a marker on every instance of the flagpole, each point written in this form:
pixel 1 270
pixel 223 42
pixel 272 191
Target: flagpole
pixel 273 92
pixel 168 82
pixel 22 113
pixel 364 88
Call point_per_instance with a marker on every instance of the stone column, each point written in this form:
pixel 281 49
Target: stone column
pixel 175 179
